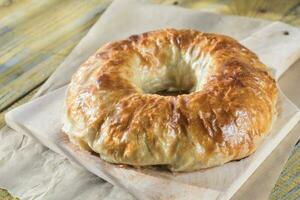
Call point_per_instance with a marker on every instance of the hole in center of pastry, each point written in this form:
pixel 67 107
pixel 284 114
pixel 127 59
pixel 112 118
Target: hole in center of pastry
pixel 169 81
pixel 171 73
pixel 172 93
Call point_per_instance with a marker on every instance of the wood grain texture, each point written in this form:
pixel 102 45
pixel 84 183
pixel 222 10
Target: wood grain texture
pixel 288 184
pixel 36 36
pixel 33 43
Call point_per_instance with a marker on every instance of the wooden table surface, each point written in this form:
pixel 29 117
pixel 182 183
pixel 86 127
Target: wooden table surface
pixel 37 35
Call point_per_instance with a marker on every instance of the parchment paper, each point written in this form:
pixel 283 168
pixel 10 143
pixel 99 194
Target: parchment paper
pixel 104 31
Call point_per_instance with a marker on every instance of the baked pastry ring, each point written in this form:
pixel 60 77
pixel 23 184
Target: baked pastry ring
pixel 112 105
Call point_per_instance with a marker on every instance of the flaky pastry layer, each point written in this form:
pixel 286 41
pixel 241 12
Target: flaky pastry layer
pixel 112 105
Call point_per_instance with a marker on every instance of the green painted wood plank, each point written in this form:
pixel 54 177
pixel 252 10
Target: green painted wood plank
pixel 30 50
pixel 288 184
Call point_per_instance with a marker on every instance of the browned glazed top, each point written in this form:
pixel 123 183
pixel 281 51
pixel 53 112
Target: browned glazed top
pixel 112 108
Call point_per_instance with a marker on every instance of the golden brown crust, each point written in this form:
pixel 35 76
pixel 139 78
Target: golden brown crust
pixel 112 108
